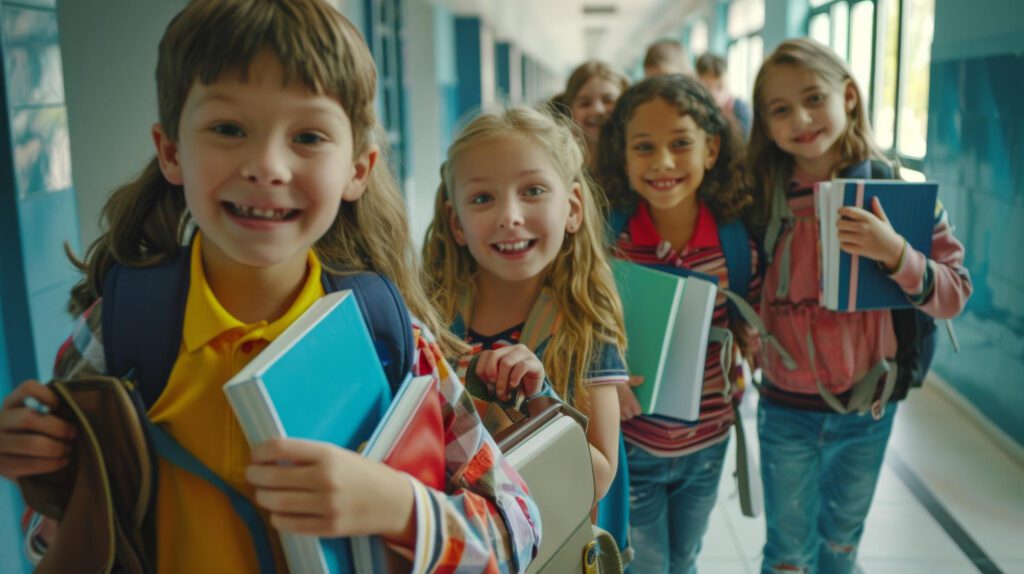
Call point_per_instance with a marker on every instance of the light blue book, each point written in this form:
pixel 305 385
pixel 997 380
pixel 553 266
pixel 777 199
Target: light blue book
pixel 320 379
pixel 854 283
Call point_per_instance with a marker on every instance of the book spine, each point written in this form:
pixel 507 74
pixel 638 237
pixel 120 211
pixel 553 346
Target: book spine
pixel 851 304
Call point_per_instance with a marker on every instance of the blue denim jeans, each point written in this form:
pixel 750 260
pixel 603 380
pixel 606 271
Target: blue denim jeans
pixel 670 502
pixel 819 471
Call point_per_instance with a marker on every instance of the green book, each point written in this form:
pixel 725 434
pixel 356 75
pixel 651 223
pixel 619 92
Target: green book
pixel 668 318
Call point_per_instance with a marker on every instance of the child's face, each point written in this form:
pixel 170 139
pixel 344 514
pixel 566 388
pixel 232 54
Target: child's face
pixel 806 115
pixel 265 166
pixel 593 105
pixel 667 154
pixel 511 208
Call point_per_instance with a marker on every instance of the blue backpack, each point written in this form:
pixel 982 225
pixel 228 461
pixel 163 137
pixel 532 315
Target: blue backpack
pixel 143 317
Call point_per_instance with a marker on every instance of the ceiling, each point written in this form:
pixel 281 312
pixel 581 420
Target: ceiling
pixel 564 33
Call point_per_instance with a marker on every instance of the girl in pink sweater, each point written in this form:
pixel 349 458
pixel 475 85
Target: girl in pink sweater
pixel 827 409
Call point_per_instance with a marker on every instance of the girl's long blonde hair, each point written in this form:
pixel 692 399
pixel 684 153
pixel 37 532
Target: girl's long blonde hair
pixel 768 164
pixel 145 222
pixel 579 278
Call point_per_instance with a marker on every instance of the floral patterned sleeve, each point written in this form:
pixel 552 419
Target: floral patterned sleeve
pixel 486 521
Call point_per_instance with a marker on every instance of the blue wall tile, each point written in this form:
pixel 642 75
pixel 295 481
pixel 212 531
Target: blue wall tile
pixel 49 220
pixel 976 153
pixel 468 64
pixel 51 325
pixel 11 556
pixel 32 54
pixel 42 150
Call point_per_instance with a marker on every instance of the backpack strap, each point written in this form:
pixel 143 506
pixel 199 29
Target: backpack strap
pixel 142 320
pixel 862 392
pixel 387 318
pixel 541 322
pixel 177 455
pixel 735 243
pixel 618 219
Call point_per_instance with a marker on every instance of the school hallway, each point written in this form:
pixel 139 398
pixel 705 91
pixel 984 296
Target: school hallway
pixel 948 500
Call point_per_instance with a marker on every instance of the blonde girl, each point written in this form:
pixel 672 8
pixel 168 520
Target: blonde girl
pixel 268 143
pixel 821 450
pixel 517 228
pixel 671 166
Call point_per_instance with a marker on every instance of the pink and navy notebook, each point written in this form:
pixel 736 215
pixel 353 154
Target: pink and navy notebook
pixel 854 283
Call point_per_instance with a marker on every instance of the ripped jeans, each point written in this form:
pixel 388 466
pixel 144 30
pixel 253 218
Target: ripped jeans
pixel 671 500
pixel 819 471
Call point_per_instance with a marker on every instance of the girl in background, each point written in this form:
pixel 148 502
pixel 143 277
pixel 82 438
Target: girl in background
pixel 590 94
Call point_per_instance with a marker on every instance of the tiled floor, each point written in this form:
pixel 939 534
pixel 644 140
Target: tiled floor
pixel 977 483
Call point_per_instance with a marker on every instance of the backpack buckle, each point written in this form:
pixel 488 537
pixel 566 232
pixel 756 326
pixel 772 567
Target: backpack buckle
pixel 877 410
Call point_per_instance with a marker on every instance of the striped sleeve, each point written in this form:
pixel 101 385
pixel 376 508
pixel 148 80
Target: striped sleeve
pixel 486 521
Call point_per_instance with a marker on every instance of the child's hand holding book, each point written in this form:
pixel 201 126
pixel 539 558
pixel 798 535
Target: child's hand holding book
pixel 869 234
pixel 320 489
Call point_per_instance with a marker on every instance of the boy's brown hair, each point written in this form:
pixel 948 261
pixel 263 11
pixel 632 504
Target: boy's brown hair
pixel 709 64
pixel 145 222
pixel 669 53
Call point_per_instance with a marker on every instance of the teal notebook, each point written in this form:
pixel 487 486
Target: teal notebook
pixel 319 380
pixel 668 318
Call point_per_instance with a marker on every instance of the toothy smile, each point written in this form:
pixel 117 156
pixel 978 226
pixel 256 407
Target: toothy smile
pixel 514 246
pixel 259 213
pixel 664 184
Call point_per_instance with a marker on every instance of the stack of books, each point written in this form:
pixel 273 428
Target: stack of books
pixel 854 283
pixel 321 380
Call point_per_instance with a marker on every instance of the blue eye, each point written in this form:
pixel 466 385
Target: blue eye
pixel 533 191
pixel 229 130
pixel 816 98
pixel 309 138
pixel 480 199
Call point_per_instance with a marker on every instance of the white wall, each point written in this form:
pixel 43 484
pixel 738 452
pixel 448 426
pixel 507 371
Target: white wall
pixel 109 50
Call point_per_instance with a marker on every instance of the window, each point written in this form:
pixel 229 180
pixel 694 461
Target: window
pixel 888 46
pixel 746 47
pixel 698 38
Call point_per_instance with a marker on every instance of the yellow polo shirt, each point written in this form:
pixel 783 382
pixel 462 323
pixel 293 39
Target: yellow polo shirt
pixel 197 529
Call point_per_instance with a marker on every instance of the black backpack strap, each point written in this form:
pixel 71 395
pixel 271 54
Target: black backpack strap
pixel 143 316
pixel 881 170
pixel 387 319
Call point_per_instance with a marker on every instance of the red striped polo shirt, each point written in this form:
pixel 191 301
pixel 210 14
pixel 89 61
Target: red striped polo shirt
pixel 641 243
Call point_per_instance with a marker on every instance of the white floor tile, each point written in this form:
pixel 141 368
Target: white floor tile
pixel 882 566
pixel 715 566
pixel 907 532
pixel 718 543
pixel 975 480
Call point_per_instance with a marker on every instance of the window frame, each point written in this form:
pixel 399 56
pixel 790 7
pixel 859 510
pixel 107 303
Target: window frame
pixel 875 85
pixel 747 37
